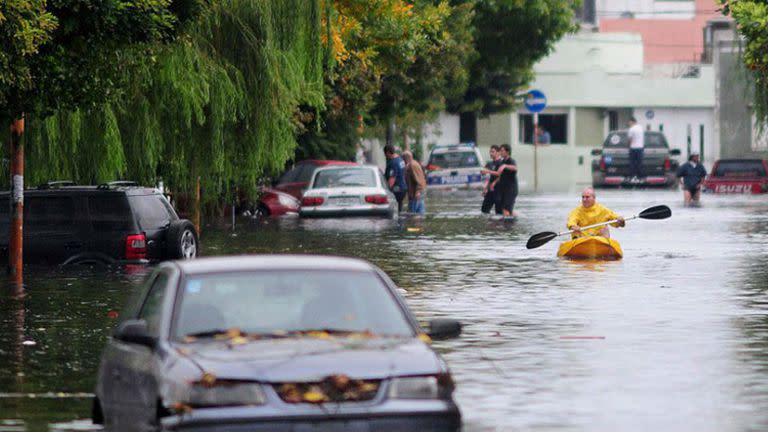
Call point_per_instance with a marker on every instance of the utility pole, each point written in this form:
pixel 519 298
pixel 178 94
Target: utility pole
pixel 16 227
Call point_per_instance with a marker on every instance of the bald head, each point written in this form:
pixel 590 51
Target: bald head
pixel 588 197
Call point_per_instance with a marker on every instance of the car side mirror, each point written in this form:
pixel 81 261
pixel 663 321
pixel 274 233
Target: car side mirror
pixel 596 152
pixel 444 328
pixel 135 331
pixel 674 152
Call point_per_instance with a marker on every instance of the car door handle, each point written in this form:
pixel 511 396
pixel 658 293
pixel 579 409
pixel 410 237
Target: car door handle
pixel 73 245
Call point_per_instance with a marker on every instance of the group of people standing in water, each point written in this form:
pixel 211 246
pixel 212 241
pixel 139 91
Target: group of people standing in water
pixel 500 191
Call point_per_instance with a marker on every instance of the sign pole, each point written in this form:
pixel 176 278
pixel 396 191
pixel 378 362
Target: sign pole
pixel 535 101
pixel 535 152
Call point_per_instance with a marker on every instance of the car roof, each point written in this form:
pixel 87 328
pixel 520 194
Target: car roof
pixel 322 162
pixel 646 132
pixel 329 168
pixel 741 160
pixel 64 190
pixel 272 262
pixel 453 148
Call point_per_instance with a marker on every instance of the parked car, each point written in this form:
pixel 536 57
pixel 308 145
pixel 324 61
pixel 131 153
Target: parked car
pixel 612 167
pixel 276 200
pixel 296 180
pixel 273 343
pixel 455 166
pixel 272 202
pixel 745 176
pixel 114 223
pixel 359 190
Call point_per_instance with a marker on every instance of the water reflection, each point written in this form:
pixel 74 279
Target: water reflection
pixel 672 337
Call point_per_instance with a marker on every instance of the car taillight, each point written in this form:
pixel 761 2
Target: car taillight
pixel 432 167
pixel 667 164
pixel 312 201
pixel 376 199
pixel 602 163
pixel 136 246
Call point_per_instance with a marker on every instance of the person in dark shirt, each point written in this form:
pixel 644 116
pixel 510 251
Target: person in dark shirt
pixel 490 195
pixel 691 175
pixel 395 175
pixel 507 182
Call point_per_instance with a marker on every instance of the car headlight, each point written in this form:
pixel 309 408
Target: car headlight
pixel 286 201
pixel 220 394
pixel 423 387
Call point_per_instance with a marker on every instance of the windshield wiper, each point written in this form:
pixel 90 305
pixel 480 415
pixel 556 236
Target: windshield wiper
pixel 207 333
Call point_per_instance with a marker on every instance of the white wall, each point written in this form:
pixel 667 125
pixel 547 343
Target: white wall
pixel 444 131
pixel 676 121
pixel 647 9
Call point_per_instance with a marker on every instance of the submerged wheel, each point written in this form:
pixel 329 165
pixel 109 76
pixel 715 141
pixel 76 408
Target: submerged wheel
pixel 181 240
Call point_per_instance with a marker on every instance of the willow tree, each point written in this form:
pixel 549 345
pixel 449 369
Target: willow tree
pixel 221 104
pixel 64 55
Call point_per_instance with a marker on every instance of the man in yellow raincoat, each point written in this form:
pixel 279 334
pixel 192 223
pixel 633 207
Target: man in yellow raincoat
pixel 590 213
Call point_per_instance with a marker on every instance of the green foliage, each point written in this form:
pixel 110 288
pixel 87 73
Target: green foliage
pixel 752 22
pixel 219 103
pixel 510 36
pixel 70 53
pixel 394 60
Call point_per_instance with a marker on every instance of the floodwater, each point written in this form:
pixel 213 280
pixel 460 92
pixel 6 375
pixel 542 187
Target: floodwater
pixel 674 337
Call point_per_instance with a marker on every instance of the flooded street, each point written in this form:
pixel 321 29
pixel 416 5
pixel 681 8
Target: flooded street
pixel 672 337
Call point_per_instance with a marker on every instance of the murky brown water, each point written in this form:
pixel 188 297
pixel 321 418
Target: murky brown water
pixel 678 330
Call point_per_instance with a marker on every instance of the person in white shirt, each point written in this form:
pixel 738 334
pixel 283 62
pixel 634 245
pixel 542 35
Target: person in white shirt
pixel 636 145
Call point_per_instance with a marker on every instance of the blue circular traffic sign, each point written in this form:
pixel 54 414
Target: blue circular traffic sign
pixel 535 101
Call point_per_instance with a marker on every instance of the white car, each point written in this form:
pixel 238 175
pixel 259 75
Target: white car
pixel 348 190
pixel 455 166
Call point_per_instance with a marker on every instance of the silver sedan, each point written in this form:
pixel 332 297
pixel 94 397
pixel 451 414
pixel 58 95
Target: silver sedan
pixel 348 191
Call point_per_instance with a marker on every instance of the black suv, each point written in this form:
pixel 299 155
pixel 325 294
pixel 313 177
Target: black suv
pixel 115 223
pixel 612 168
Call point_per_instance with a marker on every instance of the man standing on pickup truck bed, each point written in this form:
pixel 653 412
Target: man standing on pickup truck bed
pixel 636 144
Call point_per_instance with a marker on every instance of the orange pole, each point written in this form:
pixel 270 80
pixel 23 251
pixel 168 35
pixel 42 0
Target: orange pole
pixel 196 210
pixel 16 234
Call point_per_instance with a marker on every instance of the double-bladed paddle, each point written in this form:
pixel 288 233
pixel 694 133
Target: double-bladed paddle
pixel 652 213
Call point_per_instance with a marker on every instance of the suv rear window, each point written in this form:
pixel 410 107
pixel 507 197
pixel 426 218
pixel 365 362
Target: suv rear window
pixel 110 212
pixel 620 139
pixel 740 168
pixel 456 159
pixel 151 211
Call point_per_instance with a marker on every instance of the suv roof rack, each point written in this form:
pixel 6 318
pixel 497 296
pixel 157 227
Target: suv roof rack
pixel 118 183
pixel 56 184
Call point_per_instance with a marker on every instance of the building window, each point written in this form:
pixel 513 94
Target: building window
pixel 613 120
pixel 555 124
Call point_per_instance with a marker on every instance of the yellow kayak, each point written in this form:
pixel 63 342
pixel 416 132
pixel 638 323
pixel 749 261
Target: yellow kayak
pixel 591 247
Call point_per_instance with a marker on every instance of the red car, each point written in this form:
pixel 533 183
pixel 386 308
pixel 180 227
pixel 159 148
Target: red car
pixel 284 196
pixel 743 176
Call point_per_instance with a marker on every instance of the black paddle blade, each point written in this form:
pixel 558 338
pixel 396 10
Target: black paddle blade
pixel 540 239
pixel 656 212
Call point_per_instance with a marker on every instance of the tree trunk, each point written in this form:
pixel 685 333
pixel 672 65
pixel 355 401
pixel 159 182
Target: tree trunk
pixel 16 227
pixel 391 131
pixel 196 208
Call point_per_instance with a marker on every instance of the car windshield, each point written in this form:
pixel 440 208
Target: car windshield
pixel 279 303
pixel 620 139
pixel 344 177
pixel 740 168
pixel 456 159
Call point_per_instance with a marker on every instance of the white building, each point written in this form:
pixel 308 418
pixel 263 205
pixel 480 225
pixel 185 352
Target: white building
pixel 594 82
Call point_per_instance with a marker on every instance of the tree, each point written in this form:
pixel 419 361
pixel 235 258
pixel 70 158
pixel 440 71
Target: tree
pixel 390 60
pixel 752 22
pixel 219 102
pixel 66 54
pixel 510 36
